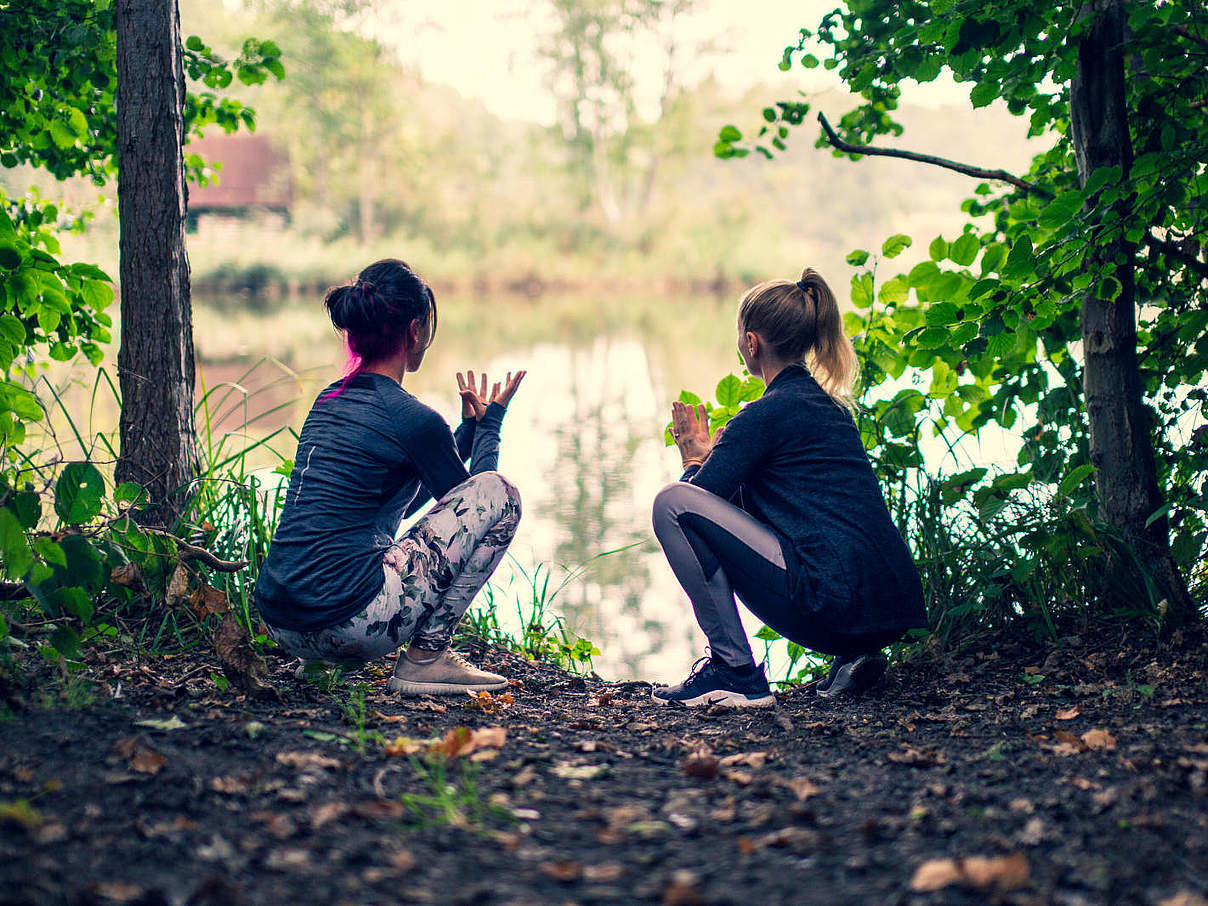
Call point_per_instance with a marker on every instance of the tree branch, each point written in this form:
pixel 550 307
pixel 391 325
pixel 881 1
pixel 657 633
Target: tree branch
pixel 1161 245
pixel 966 169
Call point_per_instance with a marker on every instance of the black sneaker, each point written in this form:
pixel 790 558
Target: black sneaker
pixel 711 682
pixel 853 675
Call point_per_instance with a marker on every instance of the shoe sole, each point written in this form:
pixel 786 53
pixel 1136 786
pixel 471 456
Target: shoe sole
pixel 862 677
pixel 394 684
pixel 721 697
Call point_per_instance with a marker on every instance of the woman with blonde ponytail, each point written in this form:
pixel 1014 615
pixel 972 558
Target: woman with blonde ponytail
pixel 783 509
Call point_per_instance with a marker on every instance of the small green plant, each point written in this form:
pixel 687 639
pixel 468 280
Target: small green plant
pixel 452 796
pixel 355 715
pixel 542 634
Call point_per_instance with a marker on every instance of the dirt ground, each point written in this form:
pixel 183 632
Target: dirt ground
pixel 1013 772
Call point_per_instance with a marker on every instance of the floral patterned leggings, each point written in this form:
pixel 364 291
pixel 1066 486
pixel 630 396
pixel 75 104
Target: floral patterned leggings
pixel 431 575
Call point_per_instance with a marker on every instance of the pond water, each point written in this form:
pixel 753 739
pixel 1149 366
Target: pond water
pixel 583 439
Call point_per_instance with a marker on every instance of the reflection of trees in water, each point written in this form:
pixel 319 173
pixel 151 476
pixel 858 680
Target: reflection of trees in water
pixel 593 499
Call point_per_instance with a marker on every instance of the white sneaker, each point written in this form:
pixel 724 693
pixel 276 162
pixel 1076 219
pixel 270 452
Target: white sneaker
pixel 449 674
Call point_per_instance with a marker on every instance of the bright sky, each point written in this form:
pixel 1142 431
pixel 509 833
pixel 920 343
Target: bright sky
pixel 488 49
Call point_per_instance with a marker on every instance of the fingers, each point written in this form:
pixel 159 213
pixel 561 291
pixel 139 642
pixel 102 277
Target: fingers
pixel 461 382
pixel 484 385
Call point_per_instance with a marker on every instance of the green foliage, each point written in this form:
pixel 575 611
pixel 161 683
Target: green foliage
pixel 452 796
pixel 988 325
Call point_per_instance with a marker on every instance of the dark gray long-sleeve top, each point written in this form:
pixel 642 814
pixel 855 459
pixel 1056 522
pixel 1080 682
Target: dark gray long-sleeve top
pixel 366 457
pixel 793 459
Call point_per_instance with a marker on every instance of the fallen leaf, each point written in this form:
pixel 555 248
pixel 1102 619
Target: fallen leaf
pixel 1184 898
pixel 604 873
pixel 569 771
pixel 421 705
pixel 750 759
pixel 228 785
pixel 683 890
pixel 1067 744
pixel 327 812
pixel 177 592
pixel 524 776
pixel 802 787
pixel 209 601
pixel 385 809
pixel 117 891
pixel 462 741
pixel 1032 671
pixel 307 760
pixel 917 758
pixel 1068 713
pixel 390 718
pixel 242 665
pixel 280 826
pixel 742 778
pixel 128 575
pixel 172 723
pixel 1099 740
pixel 1002 873
pixel 404 745
pixel 491 704
pixel 562 871
pixel 701 763
pixel 139 756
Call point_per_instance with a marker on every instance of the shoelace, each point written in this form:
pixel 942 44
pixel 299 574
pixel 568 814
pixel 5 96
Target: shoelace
pixel 457 659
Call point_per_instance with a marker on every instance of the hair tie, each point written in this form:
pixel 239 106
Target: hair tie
pixel 364 287
pixel 805 288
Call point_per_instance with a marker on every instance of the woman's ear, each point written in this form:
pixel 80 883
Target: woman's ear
pixel 751 339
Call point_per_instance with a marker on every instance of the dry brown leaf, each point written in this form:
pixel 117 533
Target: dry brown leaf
pixel 1031 671
pixel 426 706
pixel 1184 898
pixel 117 891
pixel 241 664
pixel 742 778
pixel 1068 713
pixel 327 812
pixel 280 826
pixel 916 758
pixel 701 763
pixel 1067 743
pixel 1099 740
pixel 390 718
pixel 604 873
pixel 307 760
pixel 404 745
pixel 209 601
pixel 139 756
pixel 128 575
pixel 562 871
pixel 1000 872
pixel 462 741
pixel 228 785
pixel 177 592
pixel 491 704
pixel 683 890
pixel 802 787
pixel 750 759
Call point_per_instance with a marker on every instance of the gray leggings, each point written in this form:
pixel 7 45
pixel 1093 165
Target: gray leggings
pixel 716 550
pixel 430 576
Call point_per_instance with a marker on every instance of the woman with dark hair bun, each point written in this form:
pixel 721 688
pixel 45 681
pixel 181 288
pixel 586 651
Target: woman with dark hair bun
pixel 337 584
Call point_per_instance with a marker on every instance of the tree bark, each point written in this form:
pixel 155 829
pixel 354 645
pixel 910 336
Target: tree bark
pixel 155 360
pixel 1121 430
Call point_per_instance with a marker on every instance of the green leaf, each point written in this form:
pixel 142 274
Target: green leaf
pixel 129 492
pixel 857 258
pixel 66 641
pixel 78 493
pixel 62 135
pixel 767 634
pixel 861 290
pixel 730 134
pixel 895 245
pixel 1060 210
pixel 1020 261
pixel 1074 478
pixel 195 43
pixel 14 546
pixel 938 250
pixel 964 250
pixel 10 258
pixel 729 390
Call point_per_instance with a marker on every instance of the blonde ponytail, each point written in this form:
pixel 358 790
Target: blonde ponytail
pixel 801 323
pixel 832 356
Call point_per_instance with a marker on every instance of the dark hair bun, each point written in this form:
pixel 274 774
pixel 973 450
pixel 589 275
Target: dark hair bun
pixel 376 309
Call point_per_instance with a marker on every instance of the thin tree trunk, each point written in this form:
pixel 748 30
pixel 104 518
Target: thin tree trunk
pixel 1121 430
pixel 155 360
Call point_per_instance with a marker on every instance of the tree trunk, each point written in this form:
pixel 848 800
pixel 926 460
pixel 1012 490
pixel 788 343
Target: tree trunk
pixel 155 360
pixel 1121 442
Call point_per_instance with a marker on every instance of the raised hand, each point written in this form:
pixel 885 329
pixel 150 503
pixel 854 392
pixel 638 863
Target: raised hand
pixel 690 430
pixel 510 385
pixel 473 403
